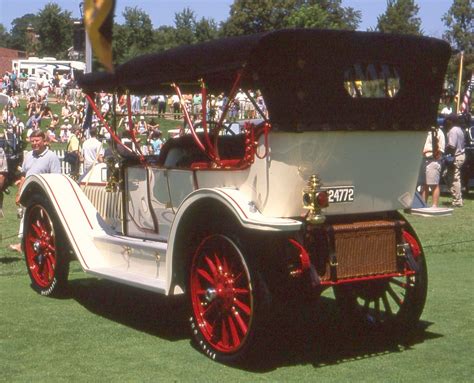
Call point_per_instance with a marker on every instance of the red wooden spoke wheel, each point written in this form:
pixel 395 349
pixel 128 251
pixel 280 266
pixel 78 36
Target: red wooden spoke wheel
pixel 40 247
pixel 395 300
pixel 221 295
pixel 45 259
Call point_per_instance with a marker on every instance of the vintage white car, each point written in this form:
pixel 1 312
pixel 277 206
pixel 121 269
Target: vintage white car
pixel 305 199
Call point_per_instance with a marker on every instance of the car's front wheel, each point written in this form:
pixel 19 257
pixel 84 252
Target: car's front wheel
pixel 47 264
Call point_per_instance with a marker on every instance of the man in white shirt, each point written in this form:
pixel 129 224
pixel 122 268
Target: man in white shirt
pixel 40 160
pixel 456 148
pixel 92 150
pixel 431 167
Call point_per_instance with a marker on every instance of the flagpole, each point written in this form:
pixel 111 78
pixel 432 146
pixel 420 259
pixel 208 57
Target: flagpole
pixel 88 54
pixel 459 82
pixel 88 47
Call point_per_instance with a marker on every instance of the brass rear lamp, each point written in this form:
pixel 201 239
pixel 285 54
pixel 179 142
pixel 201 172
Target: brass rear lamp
pixel 315 199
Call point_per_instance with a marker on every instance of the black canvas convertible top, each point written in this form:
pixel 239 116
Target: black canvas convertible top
pixel 301 74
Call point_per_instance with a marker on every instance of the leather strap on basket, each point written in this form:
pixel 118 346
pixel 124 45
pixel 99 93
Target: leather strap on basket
pixel 332 252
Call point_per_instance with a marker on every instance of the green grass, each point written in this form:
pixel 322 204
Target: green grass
pixel 106 332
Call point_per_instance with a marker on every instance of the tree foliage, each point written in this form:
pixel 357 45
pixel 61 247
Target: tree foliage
pixel 400 17
pixel 325 14
pixel 4 36
pixel 138 29
pixel 248 16
pixel 206 29
pixel 185 23
pixel 459 21
pixel 18 35
pixel 55 31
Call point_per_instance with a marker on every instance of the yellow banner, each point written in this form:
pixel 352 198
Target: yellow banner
pixel 98 20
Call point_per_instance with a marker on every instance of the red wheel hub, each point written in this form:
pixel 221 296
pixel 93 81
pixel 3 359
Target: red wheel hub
pixel 221 293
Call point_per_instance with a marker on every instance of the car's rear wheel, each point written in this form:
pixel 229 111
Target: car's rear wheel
pixel 229 300
pixel 46 261
pixel 395 301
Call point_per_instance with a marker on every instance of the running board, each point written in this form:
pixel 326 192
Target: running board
pixel 132 261
pixel 131 279
pixel 135 243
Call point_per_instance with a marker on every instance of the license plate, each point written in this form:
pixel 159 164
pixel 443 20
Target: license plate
pixel 340 194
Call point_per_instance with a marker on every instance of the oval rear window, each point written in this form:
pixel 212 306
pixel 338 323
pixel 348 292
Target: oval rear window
pixel 370 80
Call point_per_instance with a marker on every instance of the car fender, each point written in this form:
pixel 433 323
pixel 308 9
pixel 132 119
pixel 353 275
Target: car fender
pixel 242 210
pixel 78 217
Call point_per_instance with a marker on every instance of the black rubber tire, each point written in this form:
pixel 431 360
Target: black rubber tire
pixel 45 251
pixel 394 302
pixel 238 332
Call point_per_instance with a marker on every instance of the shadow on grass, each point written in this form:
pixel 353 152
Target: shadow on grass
pixel 7 260
pixel 317 336
pixel 142 310
pixel 321 337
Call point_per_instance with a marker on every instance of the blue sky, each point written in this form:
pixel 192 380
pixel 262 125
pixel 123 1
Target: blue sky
pixel 162 11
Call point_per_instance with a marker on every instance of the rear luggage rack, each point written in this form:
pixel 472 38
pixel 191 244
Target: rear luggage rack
pixel 361 250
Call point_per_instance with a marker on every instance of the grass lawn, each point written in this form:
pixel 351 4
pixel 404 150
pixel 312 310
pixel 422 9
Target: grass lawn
pixel 107 332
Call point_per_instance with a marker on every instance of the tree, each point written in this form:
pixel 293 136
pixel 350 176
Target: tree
pixel 325 14
pixel 165 38
pixel 18 35
pixel 4 37
pixel 459 21
pixel 249 16
pixel 400 17
pixel 139 29
pixel 339 16
pixel 119 44
pixel 55 31
pixel 206 29
pixel 185 26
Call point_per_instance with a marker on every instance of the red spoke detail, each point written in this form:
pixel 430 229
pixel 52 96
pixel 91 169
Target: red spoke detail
pixel 218 262
pixel 49 270
pixel 245 308
pixel 394 296
pixel 31 238
pixel 206 309
pixel 224 334
pixel 212 266
pixel 240 322
pixel 37 228
pixel 234 332
pixel 51 247
pixel 225 266
pixel 203 273
pixel 51 258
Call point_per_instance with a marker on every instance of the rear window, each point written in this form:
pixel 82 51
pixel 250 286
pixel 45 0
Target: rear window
pixel 371 80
